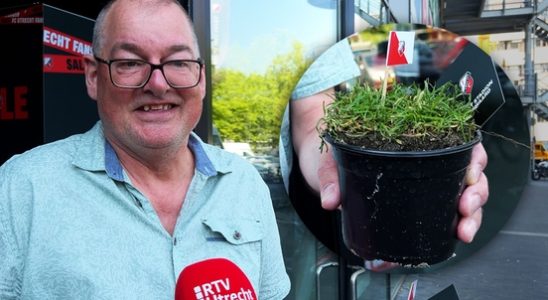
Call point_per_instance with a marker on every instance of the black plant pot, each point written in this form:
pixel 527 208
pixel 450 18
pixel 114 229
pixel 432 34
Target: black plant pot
pixel 401 206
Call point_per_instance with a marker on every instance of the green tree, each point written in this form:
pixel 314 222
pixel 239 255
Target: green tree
pixel 249 107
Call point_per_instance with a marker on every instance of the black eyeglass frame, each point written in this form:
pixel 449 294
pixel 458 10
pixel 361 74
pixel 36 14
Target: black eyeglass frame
pixel 199 61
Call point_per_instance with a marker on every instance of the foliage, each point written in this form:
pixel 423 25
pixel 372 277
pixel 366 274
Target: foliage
pixel 485 44
pixel 409 114
pixel 249 107
pixel 376 34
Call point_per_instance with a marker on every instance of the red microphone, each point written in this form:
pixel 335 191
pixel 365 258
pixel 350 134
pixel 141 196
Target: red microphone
pixel 214 279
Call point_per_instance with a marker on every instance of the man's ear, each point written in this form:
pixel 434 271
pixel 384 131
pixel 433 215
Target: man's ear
pixel 90 70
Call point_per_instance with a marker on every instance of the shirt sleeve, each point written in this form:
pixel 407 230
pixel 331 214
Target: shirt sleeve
pixel 10 260
pixel 274 281
pixel 334 66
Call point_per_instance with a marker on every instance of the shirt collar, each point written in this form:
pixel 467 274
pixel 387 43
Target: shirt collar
pixel 114 168
pixel 95 153
pixel 112 164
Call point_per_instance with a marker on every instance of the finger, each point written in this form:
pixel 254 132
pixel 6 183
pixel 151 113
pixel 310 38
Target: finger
pixel 474 196
pixel 329 181
pixel 468 227
pixel 378 265
pixel 477 164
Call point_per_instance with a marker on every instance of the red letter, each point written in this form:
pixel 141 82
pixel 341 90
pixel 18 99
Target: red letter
pixel 20 103
pixel 4 113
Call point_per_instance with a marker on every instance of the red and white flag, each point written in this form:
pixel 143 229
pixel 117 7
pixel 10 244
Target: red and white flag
pixel 412 290
pixel 400 48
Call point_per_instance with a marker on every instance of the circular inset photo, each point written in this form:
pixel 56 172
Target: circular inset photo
pixel 385 124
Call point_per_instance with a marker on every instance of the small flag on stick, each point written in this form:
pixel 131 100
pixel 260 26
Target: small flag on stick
pixel 412 290
pixel 400 48
pixel 401 45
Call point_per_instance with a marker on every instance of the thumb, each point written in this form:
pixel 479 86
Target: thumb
pixel 329 181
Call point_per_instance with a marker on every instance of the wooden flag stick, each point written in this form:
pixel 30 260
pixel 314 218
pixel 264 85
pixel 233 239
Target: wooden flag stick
pixel 384 84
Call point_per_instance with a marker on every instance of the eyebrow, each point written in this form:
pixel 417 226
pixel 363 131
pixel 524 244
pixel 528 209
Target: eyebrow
pixel 136 49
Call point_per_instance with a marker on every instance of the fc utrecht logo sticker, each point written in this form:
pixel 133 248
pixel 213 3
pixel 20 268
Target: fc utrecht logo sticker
pixel 466 83
pixel 401 48
pixel 48 61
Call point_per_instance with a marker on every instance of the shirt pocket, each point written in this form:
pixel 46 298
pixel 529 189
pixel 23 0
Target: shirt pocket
pixel 235 232
pixel 238 240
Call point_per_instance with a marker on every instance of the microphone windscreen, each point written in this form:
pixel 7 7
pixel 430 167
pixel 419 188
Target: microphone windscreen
pixel 214 279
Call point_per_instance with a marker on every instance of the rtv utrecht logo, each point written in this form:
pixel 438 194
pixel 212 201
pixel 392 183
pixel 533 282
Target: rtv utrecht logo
pixel 220 290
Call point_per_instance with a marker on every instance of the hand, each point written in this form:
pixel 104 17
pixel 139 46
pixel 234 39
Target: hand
pixel 474 196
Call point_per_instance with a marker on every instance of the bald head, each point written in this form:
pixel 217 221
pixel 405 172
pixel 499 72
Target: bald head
pixel 116 7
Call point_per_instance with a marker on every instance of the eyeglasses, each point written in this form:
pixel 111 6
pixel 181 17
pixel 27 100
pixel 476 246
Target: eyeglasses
pixel 135 73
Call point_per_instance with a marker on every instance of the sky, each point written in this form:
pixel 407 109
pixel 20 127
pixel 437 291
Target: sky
pixel 247 34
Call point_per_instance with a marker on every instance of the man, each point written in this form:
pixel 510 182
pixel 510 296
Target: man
pixel 118 212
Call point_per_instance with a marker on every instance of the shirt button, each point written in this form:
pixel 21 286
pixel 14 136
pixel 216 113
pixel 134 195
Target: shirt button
pixel 237 235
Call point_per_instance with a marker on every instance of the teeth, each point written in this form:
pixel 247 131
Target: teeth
pixel 157 107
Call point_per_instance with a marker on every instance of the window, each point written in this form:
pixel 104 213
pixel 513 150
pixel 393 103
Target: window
pixel 259 51
pixel 514 45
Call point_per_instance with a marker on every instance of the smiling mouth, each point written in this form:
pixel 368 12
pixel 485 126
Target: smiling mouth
pixel 156 107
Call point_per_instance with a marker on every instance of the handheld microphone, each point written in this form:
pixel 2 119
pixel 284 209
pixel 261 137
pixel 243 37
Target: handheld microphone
pixel 214 279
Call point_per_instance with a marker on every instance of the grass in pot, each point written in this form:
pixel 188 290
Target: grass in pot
pixel 401 159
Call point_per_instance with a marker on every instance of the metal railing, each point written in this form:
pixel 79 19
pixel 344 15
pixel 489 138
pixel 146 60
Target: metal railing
pixel 507 4
pixel 372 11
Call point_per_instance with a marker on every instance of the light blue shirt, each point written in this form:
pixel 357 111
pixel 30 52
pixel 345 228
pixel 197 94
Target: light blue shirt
pixel 73 226
pixel 333 67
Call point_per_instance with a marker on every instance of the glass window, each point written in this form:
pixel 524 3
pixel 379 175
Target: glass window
pixel 259 51
pixel 374 12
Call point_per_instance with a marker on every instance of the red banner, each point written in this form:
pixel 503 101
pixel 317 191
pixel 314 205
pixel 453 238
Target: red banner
pixel 67 64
